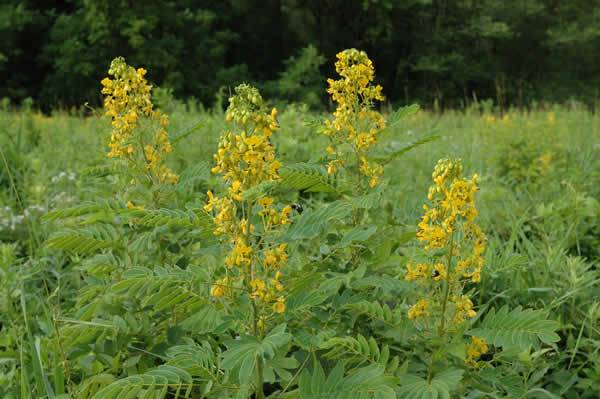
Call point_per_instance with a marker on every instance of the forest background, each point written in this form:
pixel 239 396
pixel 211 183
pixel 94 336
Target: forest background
pixel 438 53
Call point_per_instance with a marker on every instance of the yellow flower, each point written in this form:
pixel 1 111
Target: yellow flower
pixel 285 214
pixel 265 202
pixel 221 287
pixel 279 306
pixel 420 270
pixel 464 308
pixel 212 201
pixel 275 258
pixel 217 291
pixel 240 256
pixel 476 348
pixel 131 205
pixel 419 309
pixel 439 272
pixel 258 288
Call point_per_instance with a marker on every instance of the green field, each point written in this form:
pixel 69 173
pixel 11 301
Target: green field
pixel 93 292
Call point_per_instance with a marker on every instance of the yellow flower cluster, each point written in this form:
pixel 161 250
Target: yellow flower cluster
pixel 453 241
pixel 269 292
pixel 272 217
pixel 246 158
pixel 419 309
pixel 453 211
pixel 464 308
pixel 476 348
pixel 355 122
pixel 127 100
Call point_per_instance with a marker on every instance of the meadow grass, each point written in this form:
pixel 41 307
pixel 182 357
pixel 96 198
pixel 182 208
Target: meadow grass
pixel 538 203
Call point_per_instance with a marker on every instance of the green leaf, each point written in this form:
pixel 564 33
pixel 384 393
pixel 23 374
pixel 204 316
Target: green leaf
pixel 196 218
pixel 199 172
pixel 306 177
pixel 154 383
pixel 242 354
pixel 85 208
pixel 357 234
pixel 440 386
pixel 364 383
pixel 402 113
pixel 394 152
pixel 313 222
pixel 180 136
pixel 84 241
pixel 518 328
pixel 258 191
pixel 360 350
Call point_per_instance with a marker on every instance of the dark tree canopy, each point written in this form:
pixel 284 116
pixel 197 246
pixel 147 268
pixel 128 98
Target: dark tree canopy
pixel 431 51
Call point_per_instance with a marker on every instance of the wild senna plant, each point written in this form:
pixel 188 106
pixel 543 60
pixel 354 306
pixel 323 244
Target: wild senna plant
pixel 355 125
pixel 139 134
pixel 246 158
pixel 453 247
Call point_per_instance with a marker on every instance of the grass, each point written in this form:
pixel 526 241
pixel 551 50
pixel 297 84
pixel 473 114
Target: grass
pixel 539 206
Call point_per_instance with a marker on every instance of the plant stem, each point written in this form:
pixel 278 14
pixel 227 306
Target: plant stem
pixel 446 286
pixel 259 365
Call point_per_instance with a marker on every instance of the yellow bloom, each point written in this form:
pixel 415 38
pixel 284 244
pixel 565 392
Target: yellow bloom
pixel 463 308
pixel 439 272
pixel 275 258
pixel 476 348
pixel 240 256
pixel 285 214
pixel 279 306
pixel 420 270
pixel 221 287
pixel 354 121
pixel 419 309
pixel 127 100
pixel 217 291
pixel 265 202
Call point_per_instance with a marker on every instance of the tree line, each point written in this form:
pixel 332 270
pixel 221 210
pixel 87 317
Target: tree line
pixel 443 53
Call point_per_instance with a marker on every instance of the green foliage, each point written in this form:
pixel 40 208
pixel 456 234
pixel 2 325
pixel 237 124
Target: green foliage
pixel 301 80
pixel 439 386
pixel 518 328
pixel 83 241
pixel 306 177
pixel 152 384
pixel 360 351
pixel 102 300
pixel 313 222
pixel 243 354
pixel 365 383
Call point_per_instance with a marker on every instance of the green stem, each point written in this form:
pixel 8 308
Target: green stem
pixel 446 287
pixel 259 364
